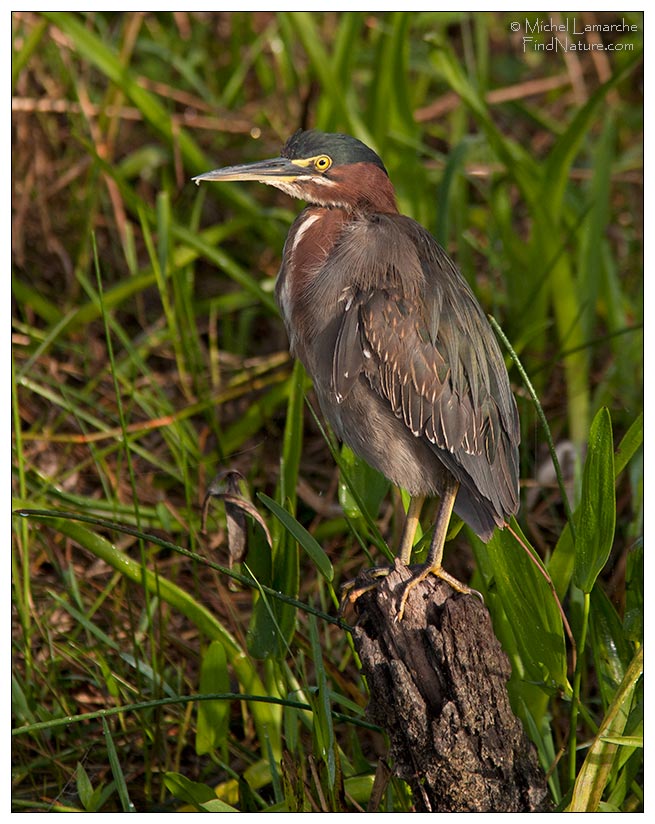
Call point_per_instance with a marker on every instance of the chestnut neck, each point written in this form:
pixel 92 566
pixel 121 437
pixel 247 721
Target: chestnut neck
pixel 361 188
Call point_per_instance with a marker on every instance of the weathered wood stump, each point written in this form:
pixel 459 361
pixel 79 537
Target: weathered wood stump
pixel 437 682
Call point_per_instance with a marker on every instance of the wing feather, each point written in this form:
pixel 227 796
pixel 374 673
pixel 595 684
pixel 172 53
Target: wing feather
pixel 436 361
pixel 419 338
pixel 348 353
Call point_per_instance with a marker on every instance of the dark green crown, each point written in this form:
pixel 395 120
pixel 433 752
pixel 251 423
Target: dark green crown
pixel 342 148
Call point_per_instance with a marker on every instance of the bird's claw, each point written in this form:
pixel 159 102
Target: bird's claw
pixel 351 590
pixel 420 575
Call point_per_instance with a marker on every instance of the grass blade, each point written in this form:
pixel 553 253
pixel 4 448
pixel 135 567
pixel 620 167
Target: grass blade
pixel 90 46
pixel 592 778
pixel 265 717
pixel 300 534
pixel 117 770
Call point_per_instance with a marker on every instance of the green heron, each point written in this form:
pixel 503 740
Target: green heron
pixel 404 363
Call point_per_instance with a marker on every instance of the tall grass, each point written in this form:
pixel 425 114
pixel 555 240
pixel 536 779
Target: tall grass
pixel 151 670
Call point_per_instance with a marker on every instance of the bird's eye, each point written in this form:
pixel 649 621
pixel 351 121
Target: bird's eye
pixel 322 163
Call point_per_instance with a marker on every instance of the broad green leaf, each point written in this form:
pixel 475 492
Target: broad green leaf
pixel 542 737
pixel 530 607
pixel 365 486
pixel 633 617
pixel 608 643
pixel 84 788
pixel 213 716
pixel 257 775
pixel 20 708
pixel 193 792
pixel 560 565
pixel 263 629
pixel 218 806
pixel 596 515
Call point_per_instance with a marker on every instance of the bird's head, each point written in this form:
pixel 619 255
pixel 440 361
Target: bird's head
pixel 333 170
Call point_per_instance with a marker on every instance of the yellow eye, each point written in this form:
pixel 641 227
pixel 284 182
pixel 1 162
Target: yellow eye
pixel 322 163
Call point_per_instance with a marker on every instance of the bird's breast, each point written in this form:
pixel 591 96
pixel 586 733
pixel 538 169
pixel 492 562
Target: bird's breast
pixel 311 240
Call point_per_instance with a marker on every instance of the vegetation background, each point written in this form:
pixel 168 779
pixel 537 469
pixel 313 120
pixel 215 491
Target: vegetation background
pixel 148 357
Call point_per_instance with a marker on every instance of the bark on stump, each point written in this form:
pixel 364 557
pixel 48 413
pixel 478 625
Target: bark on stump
pixel 437 687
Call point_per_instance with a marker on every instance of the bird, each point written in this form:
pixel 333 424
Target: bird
pixel 404 363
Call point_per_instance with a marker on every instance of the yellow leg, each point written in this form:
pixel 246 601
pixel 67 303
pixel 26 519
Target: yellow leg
pixel 432 565
pixel 409 530
pixel 349 593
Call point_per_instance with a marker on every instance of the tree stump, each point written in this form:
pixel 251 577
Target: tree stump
pixel 437 682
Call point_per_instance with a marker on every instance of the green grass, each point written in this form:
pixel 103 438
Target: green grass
pixel 149 671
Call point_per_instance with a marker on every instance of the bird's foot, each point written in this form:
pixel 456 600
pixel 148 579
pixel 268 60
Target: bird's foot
pixel 421 574
pixel 352 590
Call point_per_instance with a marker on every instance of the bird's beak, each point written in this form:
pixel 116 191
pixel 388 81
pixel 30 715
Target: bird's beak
pixel 278 169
